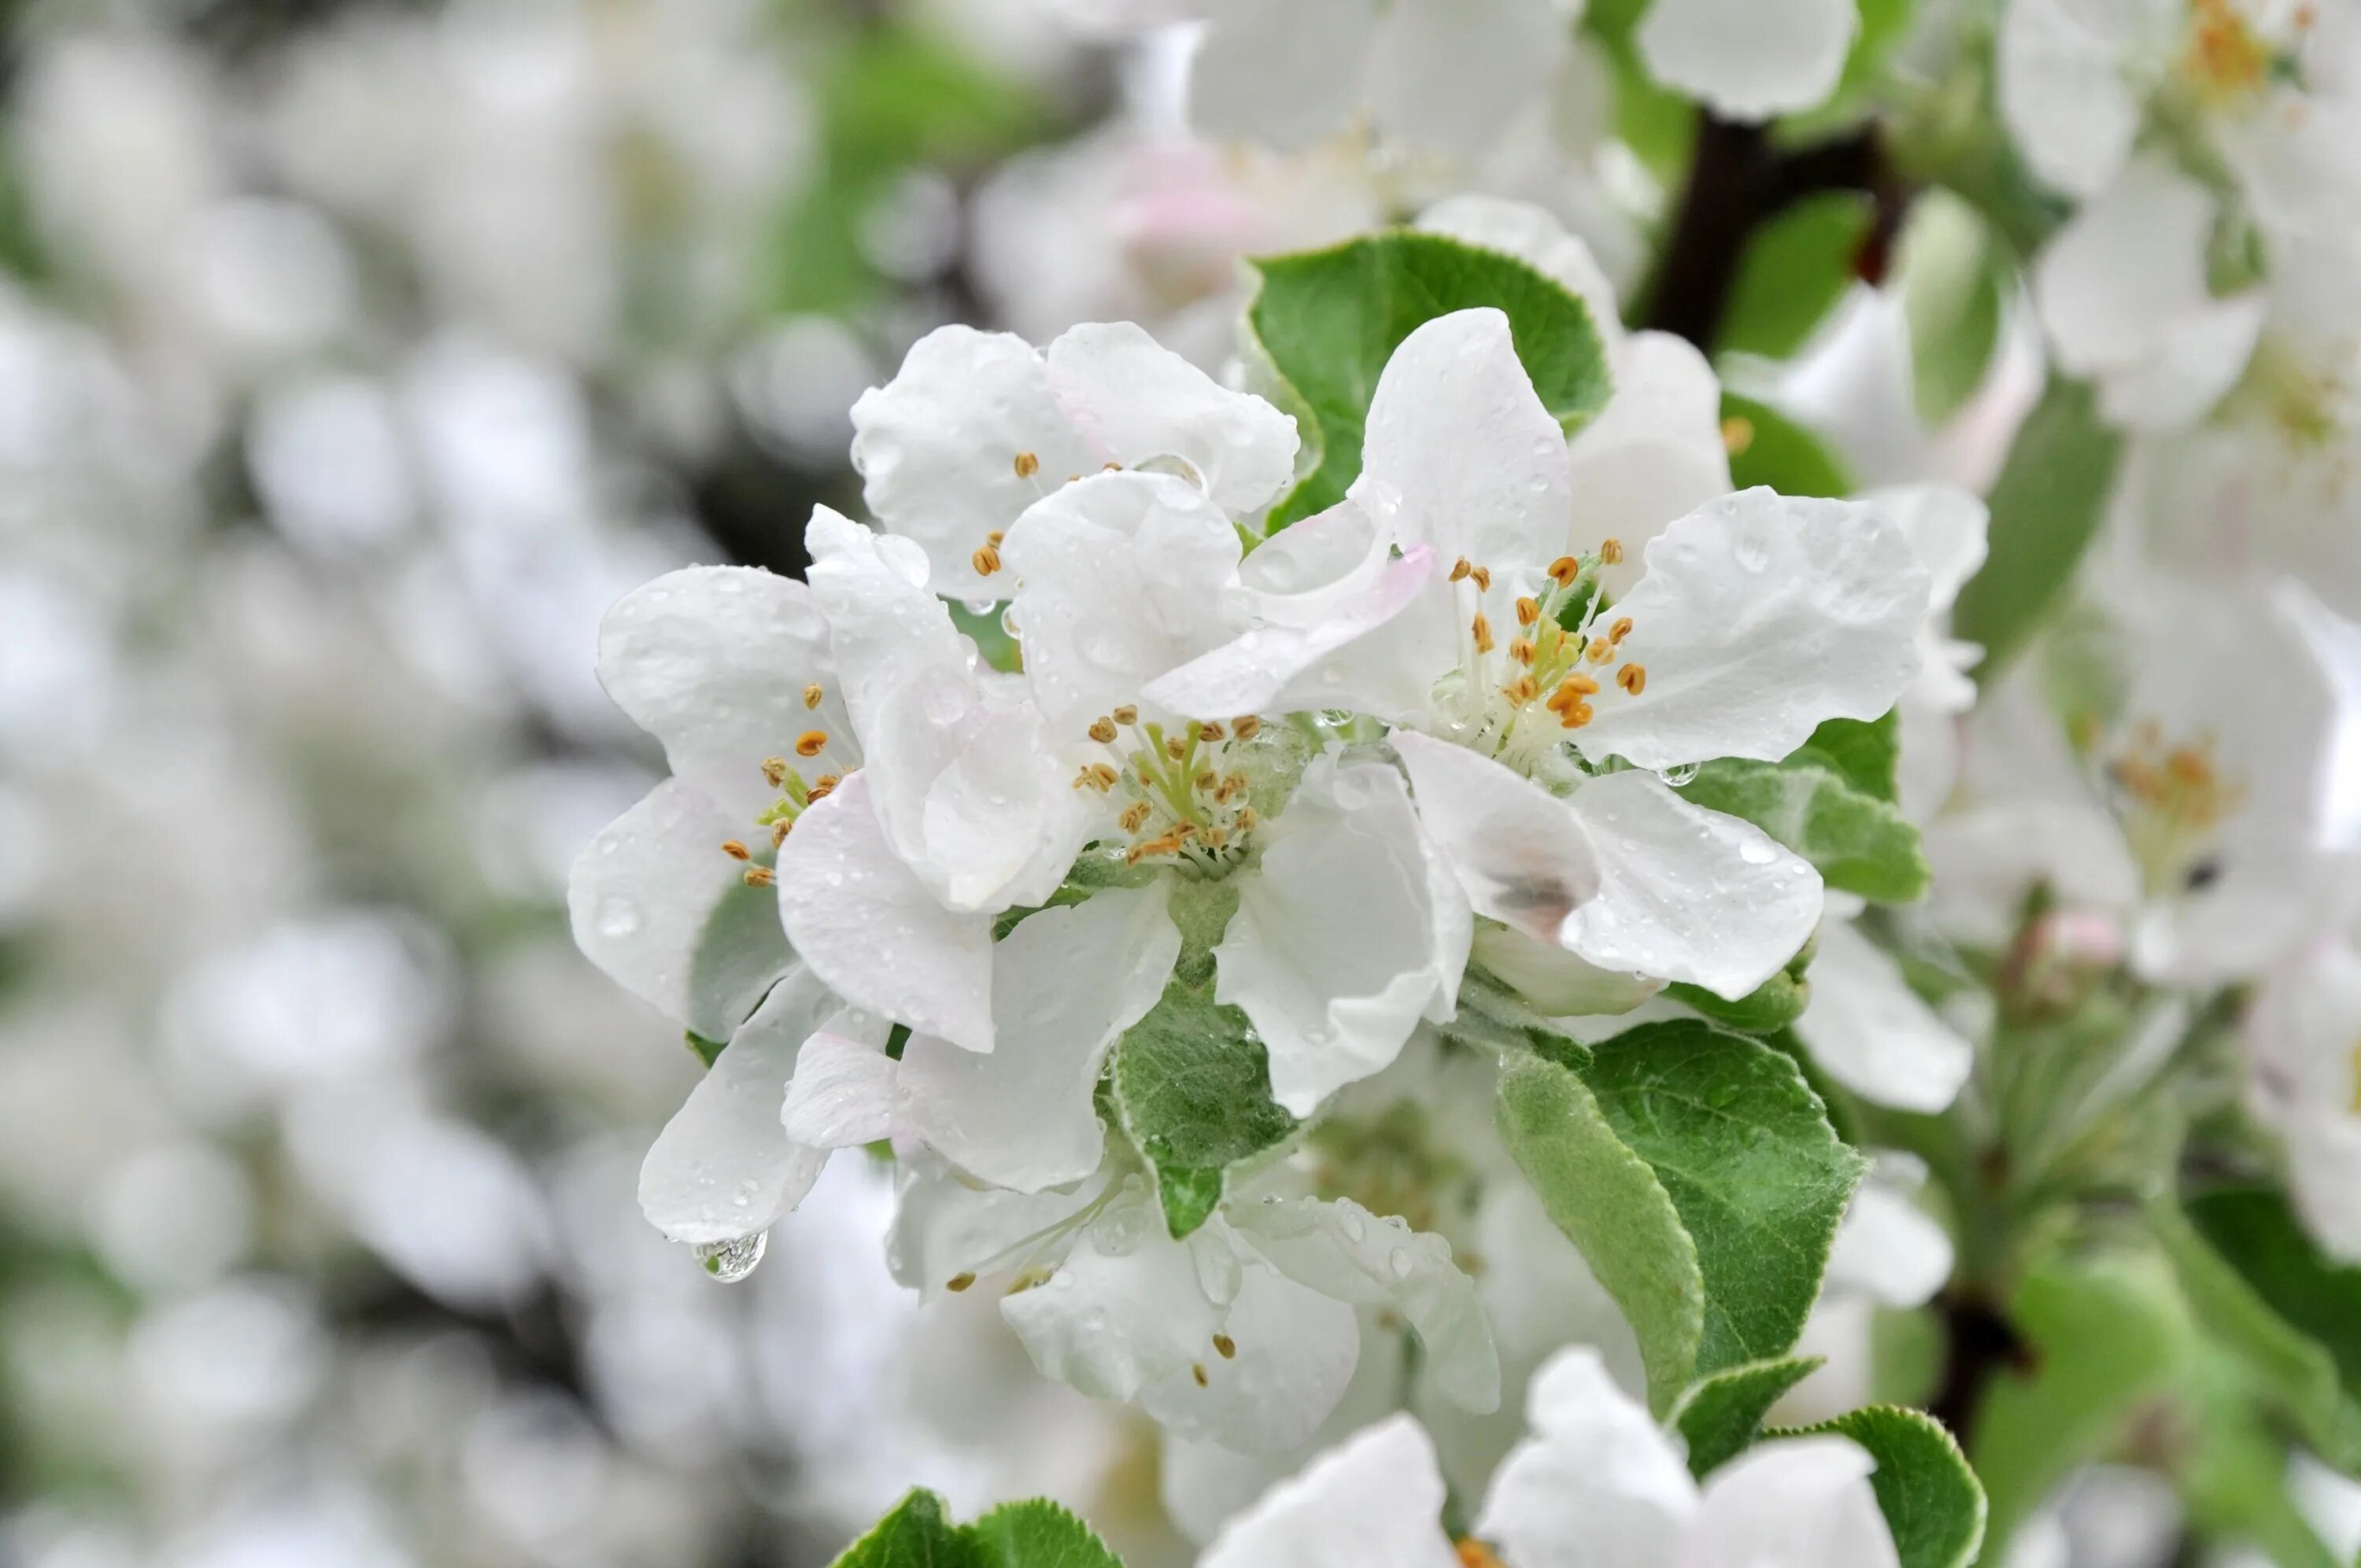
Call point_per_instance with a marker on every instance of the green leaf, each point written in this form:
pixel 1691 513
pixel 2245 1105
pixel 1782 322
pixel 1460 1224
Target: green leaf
pixel 1767 1009
pixel 1609 1204
pixel 1744 1150
pixel 1719 1416
pixel 1796 267
pixel 2258 1234
pixel 919 1533
pixel 1035 1533
pixel 1495 1019
pixel 1865 753
pixel 1327 321
pixel 1774 450
pixel 1859 843
pixel 2258 1245
pixel 988 632
pixel 740 952
pixel 1955 280
pixel 1192 1084
pixel 2105 1333
pixel 706 1051
pixel 2046 508
pixel 1931 1500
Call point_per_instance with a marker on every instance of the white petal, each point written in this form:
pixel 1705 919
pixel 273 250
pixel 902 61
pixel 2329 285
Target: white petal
pixel 1749 58
pixel 2066 93
pixel 2122 294
pixel 1121 578
pixel 1888 1249
pixel 657 905
pixel 945 1227
pixel 1759 617
pixel 843 1094
pixel 868 928
pixel 1294 1354
pixel 1517 849
pixel 713 662
pixel 1684 892
pixel 1556 982
pixel 1065 985
pixel 938 447
pixel 723 1167
pixel 1125 1311
pixel 1379 653
pixel 1947 529
pixel 1376 1502
pixel 1141 404
pixel 1652 455
pixel 1459 452
pixel 1534 235
pixel 1284 75
pixel 1301 573
pixel 1872 1033
pixel 1342 1250
pixel 1333 1000
pixel 969 792
pixel 1451 75
pixel 1597 1483
pixel 1797 1503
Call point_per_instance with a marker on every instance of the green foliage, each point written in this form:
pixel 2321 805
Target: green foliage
pixel 1865 753
pixel 1608 1202
pixel 1774 450
pixel 1767 1009
pixel 1858 841
pixel 1796 267
pixel 1701 1179
pixel 1931 1500
pixel 741 948
pixel 2105 1333
pixel 1192 1084
pixel 990 635
pixel 2258 1234
pixel 1032 1534
pixel 2046 508
pixel 704 1050
pixel 1327 321
pixel 1719 1416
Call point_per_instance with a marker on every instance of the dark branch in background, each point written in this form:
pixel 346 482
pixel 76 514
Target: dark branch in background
pixel 1980 1344
pixel 1738 182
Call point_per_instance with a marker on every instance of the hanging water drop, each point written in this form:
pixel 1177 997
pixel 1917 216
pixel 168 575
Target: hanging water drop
pixel 733 1260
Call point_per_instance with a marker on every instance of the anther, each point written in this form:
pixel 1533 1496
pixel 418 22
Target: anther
pixel 1216 837
pixel 775 771
pixel 1564 570
pixel 995 537
pixel 779 831
pixel 1126 714
pixel 1482 577
pixel 1246 726
pixel 1197 1370
pixel 986 560
pixel 812 694
pixel 1737 435
pixel 1620 630
pixel 1211 730
pixel 1600 651
pixel 1521 648
pixel 1027 465
pixel 1460 568
pixel 1226 1345
pixel 1482 630
pixel 736 850
pixel 759 876
pixel 1174 748
pixel 1632 678
pixel 1207 780
pixel 1529 610
pixel 1134 816
pixel 962 1280
pixel 822 787
pixel 1610 551
pixel 811 743
pixel 1246 819
pixel 1104 776
pixel 1577 715
pixel 1110 467
pixel 1474 1553
pixel 1522 690
pixel 1102 731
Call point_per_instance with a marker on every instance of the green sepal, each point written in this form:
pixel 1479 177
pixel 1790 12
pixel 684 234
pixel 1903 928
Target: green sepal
pixel 1719 1416
pixel 1774 450
pixel 1767 1009
pixel 706 1051
pixel 1191 1083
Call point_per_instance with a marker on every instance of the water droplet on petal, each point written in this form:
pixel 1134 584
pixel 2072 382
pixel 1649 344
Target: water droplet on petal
pixel 733 1260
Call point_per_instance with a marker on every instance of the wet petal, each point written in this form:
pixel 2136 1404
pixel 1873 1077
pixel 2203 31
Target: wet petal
pixel 1652 455
pixel 868 927
pixel 1749 58
pixel 940 448
pixel 1376 1502
pixel 1759 617
pixel 1535 236
pixel 1333 1000
pixel 1598 1482
pixel 656 905
pixel 1291 1356
pixel 1872 1033
pixel 714 661
pixel 1517 849
pixel 1798 1503
pixel 1125 1310
pixel 1140 404
pixel 844 1094
pixel 947 1231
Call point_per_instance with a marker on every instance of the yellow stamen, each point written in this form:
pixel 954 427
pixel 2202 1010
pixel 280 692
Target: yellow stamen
pixel 1564 570
pixel 1197 1370
pixel 759 876
pixel 1027 465
pixel 1211 730
pixel 1127 715
pixel 1482 577
pixel 1600 651
pixel 1620 630
pixel 822 787
pixel 775 771
pixel 1482 629
pixel 1632 678
pixel 811 743
pixel 736 850
pixel 1737 435
pixel 958 1281
pixel 1226 1345
pixel 1529 610
pixel 1102 731
pixel 1460 568
pixel 986 560
pixel 1474 1553
pixel 812 694
pixel 1521 648
pixel 1577 715
pixel 1246 819
pixel 1246 726
pixel 779 831
pixel 1134 816
pixel 1610 551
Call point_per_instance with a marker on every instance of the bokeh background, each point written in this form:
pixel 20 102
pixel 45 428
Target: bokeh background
pixel 353 357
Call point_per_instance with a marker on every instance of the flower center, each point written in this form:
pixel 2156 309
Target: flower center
pixel 796 792
pixel 2222 58
pixel 1521 704
pixel 1185 800
pixel 2173 800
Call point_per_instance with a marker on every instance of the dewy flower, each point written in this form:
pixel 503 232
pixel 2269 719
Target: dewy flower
pixel 1245 1334
pixel 2303 1039
pixel 978 426
pixel 1598 1482
pixel 1514 687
